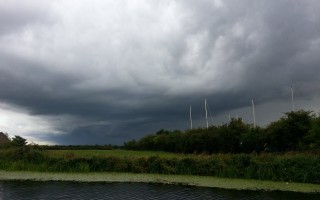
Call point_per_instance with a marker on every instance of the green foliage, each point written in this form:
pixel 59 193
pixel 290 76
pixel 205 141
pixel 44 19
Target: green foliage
pixel 131 145
pixel 18 141
pixel 285 167
pixel 253 140
pixel 312 139
pixel 295 131
pixel 287 133
pixel 79 147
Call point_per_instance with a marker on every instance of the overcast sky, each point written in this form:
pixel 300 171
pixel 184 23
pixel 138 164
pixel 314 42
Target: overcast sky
pixel 107 71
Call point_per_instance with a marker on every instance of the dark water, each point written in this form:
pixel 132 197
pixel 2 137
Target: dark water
pixel 70 190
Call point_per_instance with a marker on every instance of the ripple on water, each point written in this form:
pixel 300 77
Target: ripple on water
pixel 19 190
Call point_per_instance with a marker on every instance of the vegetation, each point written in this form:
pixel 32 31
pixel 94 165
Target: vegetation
pixel 107 153
pixel 18 141
pixel 285 150
pixel 79 147
pixel 7 142
pixel 296 131
pixel 276 167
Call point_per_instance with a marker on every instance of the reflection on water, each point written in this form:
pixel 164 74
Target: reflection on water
pixel 72 190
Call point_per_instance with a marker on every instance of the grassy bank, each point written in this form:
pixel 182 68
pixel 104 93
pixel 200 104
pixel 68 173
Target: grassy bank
pixel 304 168
pixel 202 181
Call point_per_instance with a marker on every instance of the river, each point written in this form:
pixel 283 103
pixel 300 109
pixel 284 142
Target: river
pixel 17 190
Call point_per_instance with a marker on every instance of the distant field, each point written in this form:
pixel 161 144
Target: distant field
pixel 108 153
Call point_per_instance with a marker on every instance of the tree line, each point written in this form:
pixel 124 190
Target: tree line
pixel 16 141
pixel 295 131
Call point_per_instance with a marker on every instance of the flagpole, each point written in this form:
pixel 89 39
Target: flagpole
pixel 253 114
pixel 292 98
pixel 205 106
pixel 190 118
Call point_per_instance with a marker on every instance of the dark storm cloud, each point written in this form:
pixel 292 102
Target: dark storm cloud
pixel 116 70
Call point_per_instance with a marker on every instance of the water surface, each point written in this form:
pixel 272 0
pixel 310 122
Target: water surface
pixel 15 190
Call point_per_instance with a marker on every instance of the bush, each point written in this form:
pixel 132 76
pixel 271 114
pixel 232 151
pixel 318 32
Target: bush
pixel 18 141
pixel 287 167
pixel 295 131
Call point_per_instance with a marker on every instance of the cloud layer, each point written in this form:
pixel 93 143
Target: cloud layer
pixel 107 71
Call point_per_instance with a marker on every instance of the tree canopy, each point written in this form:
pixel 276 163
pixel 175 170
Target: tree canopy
pixel 18 141
pixel 299 130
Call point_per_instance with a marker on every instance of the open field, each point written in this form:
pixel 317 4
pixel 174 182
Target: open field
pixel 115 153
pixel 202 181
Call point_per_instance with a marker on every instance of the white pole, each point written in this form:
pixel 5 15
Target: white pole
pixel 253 114
pixel 190 118
pixel 205 106
pixel 292 98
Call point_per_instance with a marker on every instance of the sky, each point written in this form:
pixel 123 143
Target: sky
pixel 109 71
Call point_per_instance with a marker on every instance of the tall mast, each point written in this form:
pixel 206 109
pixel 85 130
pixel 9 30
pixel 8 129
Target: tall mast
pixel 292 98
pixel 205 106
pixel 190 118
pixel 253 114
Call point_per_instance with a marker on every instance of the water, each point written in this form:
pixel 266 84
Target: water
pixel 13 190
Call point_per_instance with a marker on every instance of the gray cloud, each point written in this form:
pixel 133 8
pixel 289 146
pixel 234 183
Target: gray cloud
pixel 16 16
pixel 110 71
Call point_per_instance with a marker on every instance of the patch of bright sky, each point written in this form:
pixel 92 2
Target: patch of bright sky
pixel 18 122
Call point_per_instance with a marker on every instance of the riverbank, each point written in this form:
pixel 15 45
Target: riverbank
pixel 201 181
pixel 293 167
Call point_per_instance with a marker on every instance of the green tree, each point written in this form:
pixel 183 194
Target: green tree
pixel 131 145
pixel 230 134
pixel 195 141
pixel 287 134
pixel 147 143
pixel 312 140
pixel 18 141
pixel 253 140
